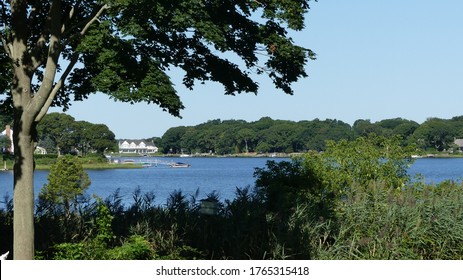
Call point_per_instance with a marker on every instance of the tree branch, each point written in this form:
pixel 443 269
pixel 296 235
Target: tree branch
pixel 37 59
pixel 57 87
pixel 59 84
pixel 52 57
pixel 95 18
pixel 35 53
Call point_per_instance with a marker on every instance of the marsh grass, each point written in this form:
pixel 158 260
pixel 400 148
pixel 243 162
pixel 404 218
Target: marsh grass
pixel 423 222
pixel 296 210
pixel 383 223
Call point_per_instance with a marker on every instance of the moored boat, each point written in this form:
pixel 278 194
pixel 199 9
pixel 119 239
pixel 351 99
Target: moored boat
pixel 179 165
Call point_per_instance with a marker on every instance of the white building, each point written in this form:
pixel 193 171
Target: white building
pixel 137 147
pixel 8 132
pixel 459 144
pixel 40 151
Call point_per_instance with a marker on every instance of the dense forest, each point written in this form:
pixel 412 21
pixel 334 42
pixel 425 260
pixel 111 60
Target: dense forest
pixel 61 133
pixel 281 136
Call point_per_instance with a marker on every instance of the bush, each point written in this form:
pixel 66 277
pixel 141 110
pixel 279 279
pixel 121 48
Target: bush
pixel 354 201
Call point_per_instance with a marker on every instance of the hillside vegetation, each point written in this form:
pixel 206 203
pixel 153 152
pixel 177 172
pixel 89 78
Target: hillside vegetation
pixel 280 136
pixel 60 133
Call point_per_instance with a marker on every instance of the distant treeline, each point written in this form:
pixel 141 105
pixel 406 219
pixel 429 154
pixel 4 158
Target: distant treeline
pixel 60 132
pixel 282 136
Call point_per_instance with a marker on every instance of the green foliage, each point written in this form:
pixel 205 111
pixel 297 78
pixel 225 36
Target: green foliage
pixel 126 51
pixel 94 158
pixel 5 143
pixel 437 133
pixel 135 248
pixel 361 162
pixel 284 185
pixel 103 224
pixel 378 223
pixel 60 133
pixel 61 130
pixel 268 136
pixel 5 119
pixel 101 246
pixel 69 251
pixel 67 180
pixel 263 136
pixel 47 159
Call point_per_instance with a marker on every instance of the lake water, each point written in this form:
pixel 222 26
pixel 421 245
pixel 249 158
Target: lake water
pixel 222 175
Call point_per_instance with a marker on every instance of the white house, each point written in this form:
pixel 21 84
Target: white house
pixel 8 132
pixel 459 144
pixel 40 151
pixel 137 147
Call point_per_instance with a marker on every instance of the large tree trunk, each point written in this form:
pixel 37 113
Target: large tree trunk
pixel 30 107
pixel 23 199
pixel 24 136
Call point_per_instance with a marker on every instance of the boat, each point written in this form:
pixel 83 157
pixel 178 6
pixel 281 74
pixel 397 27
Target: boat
pixel 179 165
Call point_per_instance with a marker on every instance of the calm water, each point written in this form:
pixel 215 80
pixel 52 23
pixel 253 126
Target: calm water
pixel 222 175
pixel 436 170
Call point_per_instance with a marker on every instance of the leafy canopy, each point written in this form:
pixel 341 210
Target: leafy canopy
pixel 362 161
pixel 125 48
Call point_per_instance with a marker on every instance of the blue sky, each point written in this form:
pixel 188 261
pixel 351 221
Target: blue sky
pixel 375 60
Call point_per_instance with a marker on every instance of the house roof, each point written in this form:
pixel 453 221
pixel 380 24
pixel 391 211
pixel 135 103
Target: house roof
pixel 137 142
pixel 459 142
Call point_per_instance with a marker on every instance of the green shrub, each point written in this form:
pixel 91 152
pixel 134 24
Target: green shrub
pixel 134 248
pixel 354 201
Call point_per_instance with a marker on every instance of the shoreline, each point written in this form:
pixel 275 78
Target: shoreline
pixel 108 165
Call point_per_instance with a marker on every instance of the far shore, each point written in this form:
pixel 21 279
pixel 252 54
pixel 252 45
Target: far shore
pixel 110 165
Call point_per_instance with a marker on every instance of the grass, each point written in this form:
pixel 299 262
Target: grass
pixel 381 223
pixel 87 166
pixel 95 166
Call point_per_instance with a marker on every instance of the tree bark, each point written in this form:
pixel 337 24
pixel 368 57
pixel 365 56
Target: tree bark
pixel 23 198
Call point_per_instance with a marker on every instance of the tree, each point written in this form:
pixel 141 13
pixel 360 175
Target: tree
pixel 61 129
pixel 57 51
pixel 365 127
pixel 435 133
pixel 172 138
pixel 360 162
pixel 247 135
pixel 5 142
pixel 67 180
pixel 5 120
pixel 95 138
pixel 67 135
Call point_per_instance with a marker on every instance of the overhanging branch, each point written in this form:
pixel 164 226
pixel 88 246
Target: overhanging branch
pixel 59 84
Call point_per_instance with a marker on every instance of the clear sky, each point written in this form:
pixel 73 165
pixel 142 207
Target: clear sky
pixel 375 60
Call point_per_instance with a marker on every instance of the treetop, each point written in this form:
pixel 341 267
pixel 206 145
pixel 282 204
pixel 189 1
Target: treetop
pixel 125 48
